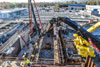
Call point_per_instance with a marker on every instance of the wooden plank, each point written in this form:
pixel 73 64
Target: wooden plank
pixel 40 45
pixel 56 48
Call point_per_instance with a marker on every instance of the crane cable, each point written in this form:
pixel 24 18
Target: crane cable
pixel 36 24
pixel 93 45
pixel 52 26
pixel 31 22
pixel 38 15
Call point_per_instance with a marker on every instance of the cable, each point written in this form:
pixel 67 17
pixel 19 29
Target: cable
pixel 93 44
pixel 38 16
pixel 52 28
pixel 33 12
pixel 31 22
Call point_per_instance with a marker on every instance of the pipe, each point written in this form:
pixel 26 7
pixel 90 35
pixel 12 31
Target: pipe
pixel 94 27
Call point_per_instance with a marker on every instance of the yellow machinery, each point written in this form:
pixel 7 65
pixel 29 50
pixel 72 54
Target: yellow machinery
pixel 57 6
pixel 82 45
pixel 94 27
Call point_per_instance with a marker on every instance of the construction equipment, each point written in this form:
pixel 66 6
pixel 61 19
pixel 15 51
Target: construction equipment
pixel 82 43
pixel 32 12
pixel 84 48
pixel 81 31
pixel 61 56
pixel 57 7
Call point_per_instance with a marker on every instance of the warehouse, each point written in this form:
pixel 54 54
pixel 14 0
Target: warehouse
pixel 76 7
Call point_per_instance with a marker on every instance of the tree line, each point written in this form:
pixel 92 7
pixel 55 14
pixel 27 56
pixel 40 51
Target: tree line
pixel 45 4
pixel 91 2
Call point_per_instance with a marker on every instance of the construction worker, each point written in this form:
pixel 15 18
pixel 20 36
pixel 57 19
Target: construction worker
pixel 69 51
pixel 32 56
pixel 37 46
pixel 28 62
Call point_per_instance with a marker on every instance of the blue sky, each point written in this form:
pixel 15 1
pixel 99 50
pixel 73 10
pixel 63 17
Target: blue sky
pixel 41 0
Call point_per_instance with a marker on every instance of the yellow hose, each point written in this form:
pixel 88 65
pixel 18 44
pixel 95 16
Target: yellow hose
pixel 82 45
pixel 94 27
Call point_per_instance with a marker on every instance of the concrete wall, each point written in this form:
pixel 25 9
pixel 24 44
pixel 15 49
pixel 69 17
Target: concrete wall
pixel 13 45
pixel 16 50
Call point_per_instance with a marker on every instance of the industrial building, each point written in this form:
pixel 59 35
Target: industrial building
pixel 76 7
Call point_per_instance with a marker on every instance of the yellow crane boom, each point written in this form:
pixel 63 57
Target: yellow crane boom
pixel 83 46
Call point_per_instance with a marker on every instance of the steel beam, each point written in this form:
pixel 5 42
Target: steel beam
pixel 81 31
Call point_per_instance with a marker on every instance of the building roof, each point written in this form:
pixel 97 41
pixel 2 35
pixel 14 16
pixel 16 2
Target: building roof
pixel 11 10
pixel 77 5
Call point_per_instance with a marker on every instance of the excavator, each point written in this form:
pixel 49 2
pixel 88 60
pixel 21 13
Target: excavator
pixel 84 47
pixel 85 42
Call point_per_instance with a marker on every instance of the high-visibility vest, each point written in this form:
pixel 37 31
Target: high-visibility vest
pixel 28 61
pixel 37 46
pixel 32 55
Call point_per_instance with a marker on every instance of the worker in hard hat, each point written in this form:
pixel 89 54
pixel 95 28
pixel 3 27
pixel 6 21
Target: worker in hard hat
pixel 69 51
pixel 37 46
pixel 32 56
pixel 28 62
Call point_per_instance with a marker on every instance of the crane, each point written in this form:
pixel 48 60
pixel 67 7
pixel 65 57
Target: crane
pixel 82 34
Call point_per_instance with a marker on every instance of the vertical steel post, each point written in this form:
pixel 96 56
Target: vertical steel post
pixel 33 12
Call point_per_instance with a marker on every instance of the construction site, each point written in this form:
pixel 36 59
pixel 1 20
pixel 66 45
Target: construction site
pixel 50 37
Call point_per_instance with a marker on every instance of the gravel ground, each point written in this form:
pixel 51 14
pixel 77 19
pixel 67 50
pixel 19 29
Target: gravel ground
pixel 47 54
